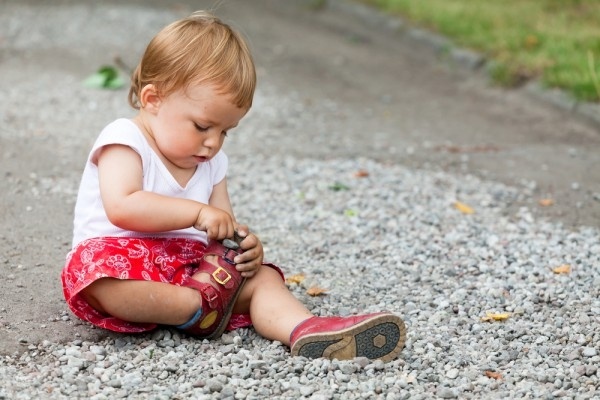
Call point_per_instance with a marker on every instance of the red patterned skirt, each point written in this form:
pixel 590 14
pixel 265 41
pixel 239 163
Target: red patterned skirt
pixel 172 260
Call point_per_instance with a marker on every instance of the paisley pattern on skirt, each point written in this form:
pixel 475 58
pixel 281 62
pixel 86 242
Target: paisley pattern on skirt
pixel 169 260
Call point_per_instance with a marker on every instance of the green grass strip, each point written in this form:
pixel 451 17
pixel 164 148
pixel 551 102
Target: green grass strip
pixel 557 41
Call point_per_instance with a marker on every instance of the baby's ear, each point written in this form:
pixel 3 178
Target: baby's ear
pixel 150 99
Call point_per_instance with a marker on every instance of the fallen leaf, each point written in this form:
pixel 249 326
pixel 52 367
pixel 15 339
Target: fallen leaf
pixel 531 42
pixel 495 316
pixel 107 77
pixel 463 208
pixel 493 375
pixel 350 212
pixel 316 291
pixel 298 278
pixel 361 173
pixel 546 202
pixel 338 186
pixel 562 269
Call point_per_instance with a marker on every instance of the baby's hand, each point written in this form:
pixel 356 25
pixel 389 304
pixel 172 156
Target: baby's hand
pixel 217 224
pixel 251 259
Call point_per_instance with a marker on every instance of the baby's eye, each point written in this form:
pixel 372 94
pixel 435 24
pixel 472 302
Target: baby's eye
pixel 224 133
pixel 200 128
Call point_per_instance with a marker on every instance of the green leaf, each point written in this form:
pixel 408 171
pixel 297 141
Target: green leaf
pixel 350 212
pixel 109 72
pixel 107 77
pixel 95 81
pixel 338 186
pixel 115 83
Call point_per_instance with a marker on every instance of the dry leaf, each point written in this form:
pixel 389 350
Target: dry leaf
pixel 298 278
pixel 562 269
pixel 546 202
pixel 493 375
pixel 531 42
pixel 463 208
pixel 495 316
pixel 361 173
pixel 316 291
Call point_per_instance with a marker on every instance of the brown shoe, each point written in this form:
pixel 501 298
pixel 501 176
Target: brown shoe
pixel 375 336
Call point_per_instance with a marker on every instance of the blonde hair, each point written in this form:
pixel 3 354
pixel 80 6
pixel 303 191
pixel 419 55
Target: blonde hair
pixel 195 50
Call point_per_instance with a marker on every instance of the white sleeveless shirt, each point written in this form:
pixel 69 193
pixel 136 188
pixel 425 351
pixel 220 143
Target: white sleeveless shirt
pixel 90 218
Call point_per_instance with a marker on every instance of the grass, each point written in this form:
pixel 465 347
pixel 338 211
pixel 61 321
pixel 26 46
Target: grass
pixel 555 41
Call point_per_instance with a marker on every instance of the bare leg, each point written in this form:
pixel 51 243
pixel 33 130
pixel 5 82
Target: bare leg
pixel 275 311
pixel 143 301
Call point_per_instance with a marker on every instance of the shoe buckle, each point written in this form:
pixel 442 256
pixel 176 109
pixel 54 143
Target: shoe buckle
pixel 211 295
pixel 218 279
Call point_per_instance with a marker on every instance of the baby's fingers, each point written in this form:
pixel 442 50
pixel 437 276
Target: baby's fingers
pixel 220 231
pixel 242 230
pixel 249 242
pixel 248 256
pixel 249 269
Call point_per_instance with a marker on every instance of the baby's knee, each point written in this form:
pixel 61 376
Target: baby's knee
pixel 268 274
pixel 265 277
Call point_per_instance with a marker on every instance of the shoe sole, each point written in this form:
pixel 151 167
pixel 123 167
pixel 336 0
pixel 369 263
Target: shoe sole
pixel 381 337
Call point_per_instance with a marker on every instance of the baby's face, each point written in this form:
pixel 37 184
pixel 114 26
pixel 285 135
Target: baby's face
pixel 190 125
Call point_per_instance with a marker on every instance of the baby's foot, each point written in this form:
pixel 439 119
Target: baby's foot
pixel 219 285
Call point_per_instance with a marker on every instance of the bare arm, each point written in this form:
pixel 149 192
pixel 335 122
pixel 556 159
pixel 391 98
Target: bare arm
pixel 129 207
pixel 220 198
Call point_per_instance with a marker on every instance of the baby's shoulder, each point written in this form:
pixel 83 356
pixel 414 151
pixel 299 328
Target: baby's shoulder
pixel 121 125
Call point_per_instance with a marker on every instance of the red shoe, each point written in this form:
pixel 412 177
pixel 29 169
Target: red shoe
pixel 375 336
pixel 219 297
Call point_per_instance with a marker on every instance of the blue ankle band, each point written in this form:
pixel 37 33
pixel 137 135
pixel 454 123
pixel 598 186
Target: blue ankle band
pixel 192 321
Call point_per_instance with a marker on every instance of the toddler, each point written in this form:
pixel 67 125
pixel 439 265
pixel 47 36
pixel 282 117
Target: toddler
pixel 155 237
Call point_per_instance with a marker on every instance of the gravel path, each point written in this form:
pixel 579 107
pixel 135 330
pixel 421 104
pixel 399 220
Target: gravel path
pixel 376 237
